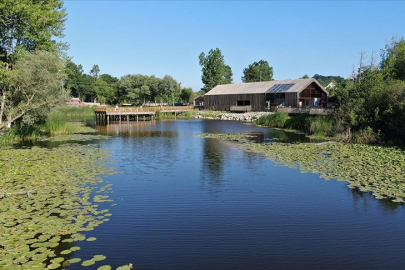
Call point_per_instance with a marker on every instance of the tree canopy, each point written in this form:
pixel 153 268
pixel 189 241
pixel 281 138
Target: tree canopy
pixel 371 104
pixel 258 72
pixel 34 86
pixel 214 70
pixel 30 25
pixel 26 27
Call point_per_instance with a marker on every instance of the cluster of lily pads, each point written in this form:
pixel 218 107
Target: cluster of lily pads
pixel 376 169
pixel 48 201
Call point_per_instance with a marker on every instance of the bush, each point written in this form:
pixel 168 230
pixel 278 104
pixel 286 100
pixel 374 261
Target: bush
pixel 322 126
pixel 365 136
pixel 277 119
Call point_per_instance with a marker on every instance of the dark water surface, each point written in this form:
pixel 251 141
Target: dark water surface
pixel 185 202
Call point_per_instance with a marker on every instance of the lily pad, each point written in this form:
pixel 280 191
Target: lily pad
pixel 99 257
pixel 88 263
pixel 90 239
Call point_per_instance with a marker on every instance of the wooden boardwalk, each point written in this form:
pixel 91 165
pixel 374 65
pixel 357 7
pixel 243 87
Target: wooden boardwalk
pixel 107 114
pixel 311 111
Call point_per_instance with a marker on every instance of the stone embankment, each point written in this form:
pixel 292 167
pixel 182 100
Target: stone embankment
pixel 248 116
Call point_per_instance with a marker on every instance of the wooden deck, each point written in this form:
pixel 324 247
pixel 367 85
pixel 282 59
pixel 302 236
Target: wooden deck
pixel 311 111
pixel 107 114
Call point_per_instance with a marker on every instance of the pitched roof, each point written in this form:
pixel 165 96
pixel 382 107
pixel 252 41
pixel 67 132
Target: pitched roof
pixel 264 87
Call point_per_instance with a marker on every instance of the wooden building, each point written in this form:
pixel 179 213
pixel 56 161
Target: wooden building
pixel 262 96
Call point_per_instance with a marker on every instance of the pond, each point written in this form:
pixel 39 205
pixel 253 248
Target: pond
pixel 187 202
pixel 182 201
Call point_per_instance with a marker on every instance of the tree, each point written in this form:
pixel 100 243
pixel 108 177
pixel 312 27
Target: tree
pixel 35 85
pixel 393 60
pixel 167 88
pixel 258 72
pixel 30 25
pixel 95 70
pixel 27 25
pixel 214 70
pixel 186 94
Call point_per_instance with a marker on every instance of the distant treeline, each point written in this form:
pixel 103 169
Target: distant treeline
pixel 134 89
pixel 325 80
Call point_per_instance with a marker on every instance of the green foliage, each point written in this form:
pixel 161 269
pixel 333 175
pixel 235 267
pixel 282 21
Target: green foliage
pixel 214 70
pixel 186 95
pixel 319 126
pixel 277 119
pixel 27 25
pixel 139 88
pixel 325 80
pixel 33 88
pixel 258 72
pixel 393 60
pixel 158 115
pixel 300 122
pixel 371 106
pixel 57 123
pixel 77 111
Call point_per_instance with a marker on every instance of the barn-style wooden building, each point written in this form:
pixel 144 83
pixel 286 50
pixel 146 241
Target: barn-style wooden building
pixel 262 96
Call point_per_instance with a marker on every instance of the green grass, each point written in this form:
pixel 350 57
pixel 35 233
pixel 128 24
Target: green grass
pixel 319 126
pixel 77 111
pixel 56 123
pixel 277 119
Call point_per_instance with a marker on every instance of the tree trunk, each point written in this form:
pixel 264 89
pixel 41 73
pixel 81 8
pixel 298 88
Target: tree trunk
pixel 3 101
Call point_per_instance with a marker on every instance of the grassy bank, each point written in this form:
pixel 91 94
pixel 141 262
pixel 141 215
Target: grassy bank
pixel 184 115
pixel 320 126
pixel 56 123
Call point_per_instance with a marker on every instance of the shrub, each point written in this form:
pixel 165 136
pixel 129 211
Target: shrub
pixel 277 119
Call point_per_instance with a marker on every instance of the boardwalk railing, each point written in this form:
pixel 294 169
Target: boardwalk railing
pixel 105 114
pixel 317 111
pixel 113 110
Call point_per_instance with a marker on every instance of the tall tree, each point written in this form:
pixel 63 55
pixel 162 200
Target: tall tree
pixel 26 25
pixel 95 70
pixel 35 85
pixel 30 25
pixel 186 94
pixel 258 72
pixel 214 70
pixel 393 60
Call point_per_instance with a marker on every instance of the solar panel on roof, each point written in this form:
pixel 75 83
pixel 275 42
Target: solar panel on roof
pixel 278 88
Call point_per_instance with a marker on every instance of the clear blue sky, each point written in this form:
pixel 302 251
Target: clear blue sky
pixel 166 37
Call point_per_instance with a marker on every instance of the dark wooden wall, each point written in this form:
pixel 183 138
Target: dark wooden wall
pixel 224 102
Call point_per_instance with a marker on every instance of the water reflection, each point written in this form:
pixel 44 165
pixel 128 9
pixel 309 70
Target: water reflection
pixel 364 199
pixel 212 165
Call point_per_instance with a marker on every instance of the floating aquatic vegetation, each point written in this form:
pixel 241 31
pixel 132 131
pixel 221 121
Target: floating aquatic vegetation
pixel 74 137
pixel 104 267
pixel 88 263
pixel 46 203
pixel 376 169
